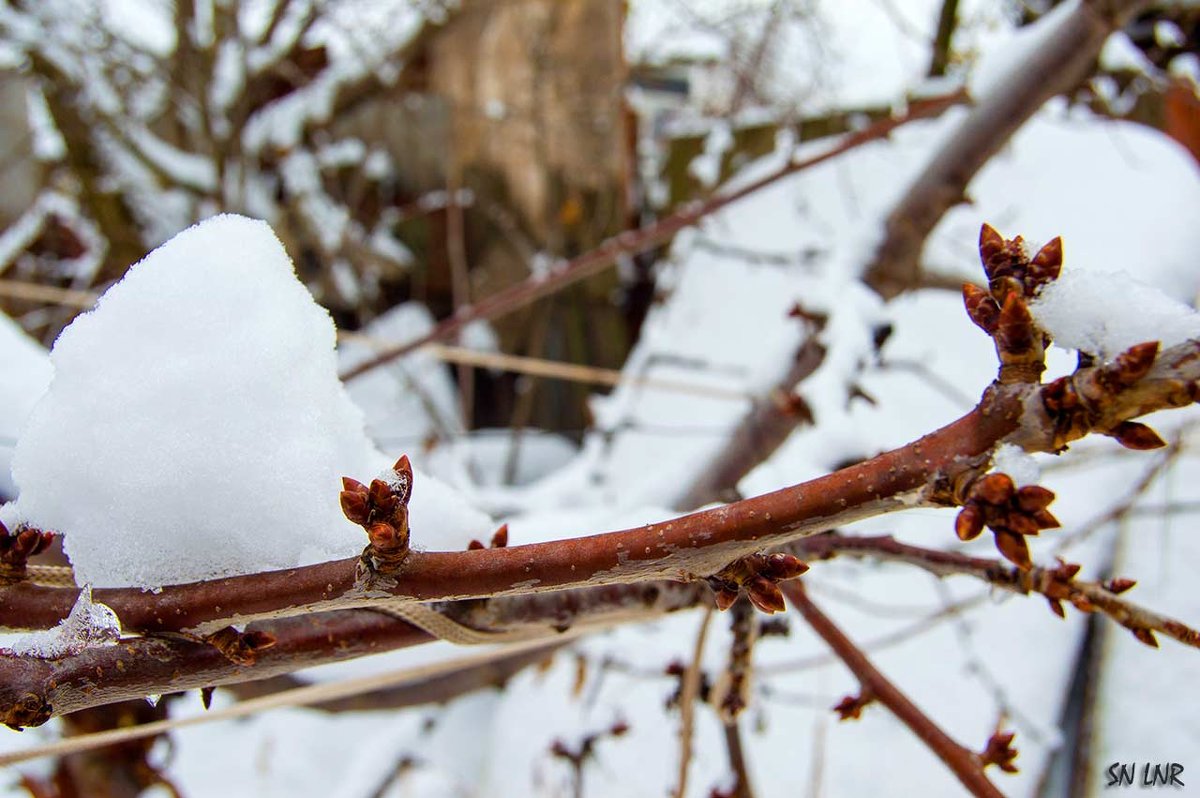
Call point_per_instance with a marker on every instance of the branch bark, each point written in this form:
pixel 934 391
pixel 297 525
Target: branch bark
pixel 1063 58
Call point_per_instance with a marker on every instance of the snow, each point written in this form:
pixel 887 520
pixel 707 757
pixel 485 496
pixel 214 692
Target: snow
pixel 1105 313
pixel 203 389
pixel 90 623
pixel 1017 463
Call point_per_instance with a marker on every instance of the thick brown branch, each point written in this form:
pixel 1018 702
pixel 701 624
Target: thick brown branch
pixel 1062 59
pixel 33 690
pixel 962 762
pixel 633 242
pixel 683 548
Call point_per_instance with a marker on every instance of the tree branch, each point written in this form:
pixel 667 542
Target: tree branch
pixel 684 548
pixel 1063 58
pixel 963 763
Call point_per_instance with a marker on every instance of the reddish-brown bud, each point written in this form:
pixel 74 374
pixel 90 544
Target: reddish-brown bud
pixel 500 537
pixel 981 308
pixel 724 597
pixel 1014 548
pixel 1056 607
pixel 765 594
pixel 1119 584
pixel 1032 498
pixel 1014 330
pixel 1021 523
pixel 1134 363
pixel 999 751
pixel 475 545
pixel 383 536
pixel 1133 435
pixel 353 485
pixel 1145 636
pixel 991 248
pixel 779 566
pixel 851 706
pixel 354 506
pixel 404 469
pixel 996 489
pixel 1047 264
pixel 1045 520
pixel 969 522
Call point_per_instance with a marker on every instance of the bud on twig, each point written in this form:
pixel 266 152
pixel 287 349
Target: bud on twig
pixel 758 575
pixel 382 510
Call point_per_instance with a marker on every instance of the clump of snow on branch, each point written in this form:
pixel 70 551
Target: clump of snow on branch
pixel 89 624
pixel 195 426
pixel 1105 313
pixel 1017 463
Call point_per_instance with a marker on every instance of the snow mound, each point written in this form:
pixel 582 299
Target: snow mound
pixel 195 426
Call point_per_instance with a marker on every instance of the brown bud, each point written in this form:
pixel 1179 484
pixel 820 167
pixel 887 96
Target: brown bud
pixel 1045 520
pixel 724 597
pixel 500 537
pixel 779 566
pixel 1146 636
pixel 1066 571
pixel 996 489
pixel 1032 498
pixel 1134 363
pixel 1047 264
pixel 404 468
pixel 1119 585
pixel 1056 607
pixel 1000 752
pixel 851 706
pixel 1133 435
pixel 353 485
pixel 991 248
pixel 765 594
pixel 981 308
pixel 383 536
pixel 475 545
pixel 354 506
pixel 969 522
pixel 1014 329
pixel 1014 548
pixel 1021 523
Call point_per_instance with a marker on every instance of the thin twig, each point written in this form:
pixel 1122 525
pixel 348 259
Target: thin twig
pixel 961 761
pixel 688 692
pixel 633 242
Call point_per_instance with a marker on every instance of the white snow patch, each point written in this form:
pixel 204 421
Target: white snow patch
pixel 1017 463
pixel 1105 313
pixel 195 426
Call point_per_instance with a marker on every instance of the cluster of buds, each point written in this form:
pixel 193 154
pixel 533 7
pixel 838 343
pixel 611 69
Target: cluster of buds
pixel 999 752
pixel 240 648
pixel 382 510
pixel 1075 403
pixel 499 540
pixel 851 706
pixel 995 501
pixel 1002 311
pixel 17 547
pixel 759 575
